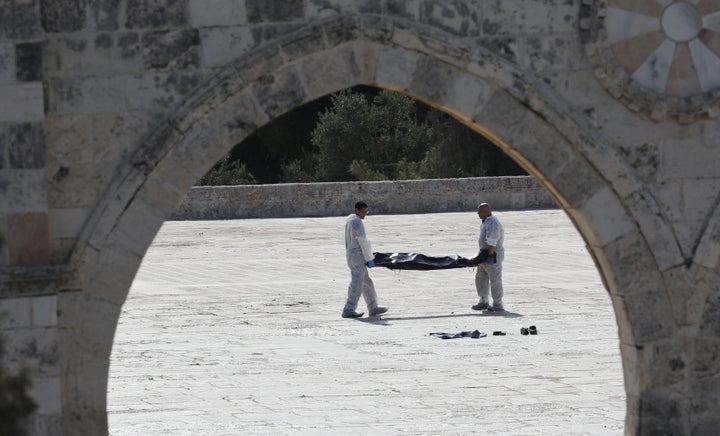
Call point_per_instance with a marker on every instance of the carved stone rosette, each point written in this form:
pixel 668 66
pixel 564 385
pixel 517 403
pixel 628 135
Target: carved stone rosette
pixel 659 57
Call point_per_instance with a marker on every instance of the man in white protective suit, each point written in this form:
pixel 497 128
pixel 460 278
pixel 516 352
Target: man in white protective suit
pixel 488 277
pixel 359 258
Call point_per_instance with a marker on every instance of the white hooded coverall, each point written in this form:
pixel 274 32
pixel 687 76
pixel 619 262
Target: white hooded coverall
pixel 491 233
pixel 358 251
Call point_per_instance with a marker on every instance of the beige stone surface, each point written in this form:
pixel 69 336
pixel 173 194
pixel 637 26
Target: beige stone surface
pixel 234 327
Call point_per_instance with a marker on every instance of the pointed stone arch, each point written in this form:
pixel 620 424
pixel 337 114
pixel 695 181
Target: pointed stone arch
pixel 520 113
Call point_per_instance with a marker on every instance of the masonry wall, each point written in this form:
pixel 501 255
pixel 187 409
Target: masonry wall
pixel 332 199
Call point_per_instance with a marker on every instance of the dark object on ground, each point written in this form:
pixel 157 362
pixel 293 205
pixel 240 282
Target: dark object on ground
pixel 467 334
pixel 498 333
pixel 421 262
pixel 532 330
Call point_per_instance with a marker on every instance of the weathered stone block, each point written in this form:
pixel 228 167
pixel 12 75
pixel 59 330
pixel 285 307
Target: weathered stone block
pixel 87 95
pixel 27 102
pixel 688 288
pixel 395 68
pixel 25 144
pixel 106 14
pixel 687 159
pixel 552 53
pixel 28 62
pixel 278 93
pixel 664 362
pixel 657 231
pixel 156 94
pixel 710 322
pixel 19 19
pixel 7 63
pixel 431 78
pixel 661 412
pixel 344 29
pixel 177 49
pixel 458 17
pixel 67 223
pixel 15 313
pixel 607 216
pixel 339 71
pixel 60 16
pixel 269 11
pixel 24 190
pixel 221 45
pixel 366 58
pixel 684 203
pixel 73 138
pixel 29 240
pixel 33 348
pixel 270 34
pixel 328 8
pixel 44 311
pixel 404 8
pixel 507 47
pixel 155 13
pixel 116 269
pixel 528 17
pixel 46 393
pixel 259 62
pixel 60 250
pixel 216 13
pixel 706 357
pixel 306 42
pixel 70 187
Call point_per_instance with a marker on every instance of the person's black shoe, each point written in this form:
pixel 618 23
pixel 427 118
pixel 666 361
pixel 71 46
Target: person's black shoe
pixel 532 330
pixel 480 306
pixel 524 331
pixel 352 314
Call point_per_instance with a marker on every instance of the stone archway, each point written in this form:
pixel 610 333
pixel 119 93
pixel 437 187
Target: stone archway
pixel 489 94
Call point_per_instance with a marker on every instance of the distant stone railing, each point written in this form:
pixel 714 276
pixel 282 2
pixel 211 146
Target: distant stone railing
pixel 334 199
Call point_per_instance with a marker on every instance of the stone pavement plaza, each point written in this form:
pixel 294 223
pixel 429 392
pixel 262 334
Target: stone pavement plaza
pixel 234 327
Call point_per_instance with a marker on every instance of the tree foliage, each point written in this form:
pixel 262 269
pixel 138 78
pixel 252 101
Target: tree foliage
pixel 367 135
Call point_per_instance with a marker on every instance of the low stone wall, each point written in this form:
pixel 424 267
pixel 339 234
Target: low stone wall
pixel 334 199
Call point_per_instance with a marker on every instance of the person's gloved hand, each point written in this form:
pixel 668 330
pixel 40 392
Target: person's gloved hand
pixel 371 264
pixel 492 259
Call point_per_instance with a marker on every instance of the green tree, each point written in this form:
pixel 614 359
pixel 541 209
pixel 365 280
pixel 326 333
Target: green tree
pixel 361 134
pixel 227 172
pixel 357 138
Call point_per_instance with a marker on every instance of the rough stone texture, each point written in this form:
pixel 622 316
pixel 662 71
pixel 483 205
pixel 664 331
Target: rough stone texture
pixel 106 14
pixel 171 50
pixel 27 102
pixel 329 199
pixel 262 11
pixel 25 144
pixel 116 107
pixel 28 239
pixel 214 13
pixel 60 16
pixel 28 58
pixel 155 13
pixel 19 20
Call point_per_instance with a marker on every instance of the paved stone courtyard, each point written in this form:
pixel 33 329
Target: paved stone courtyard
pixel 233 327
